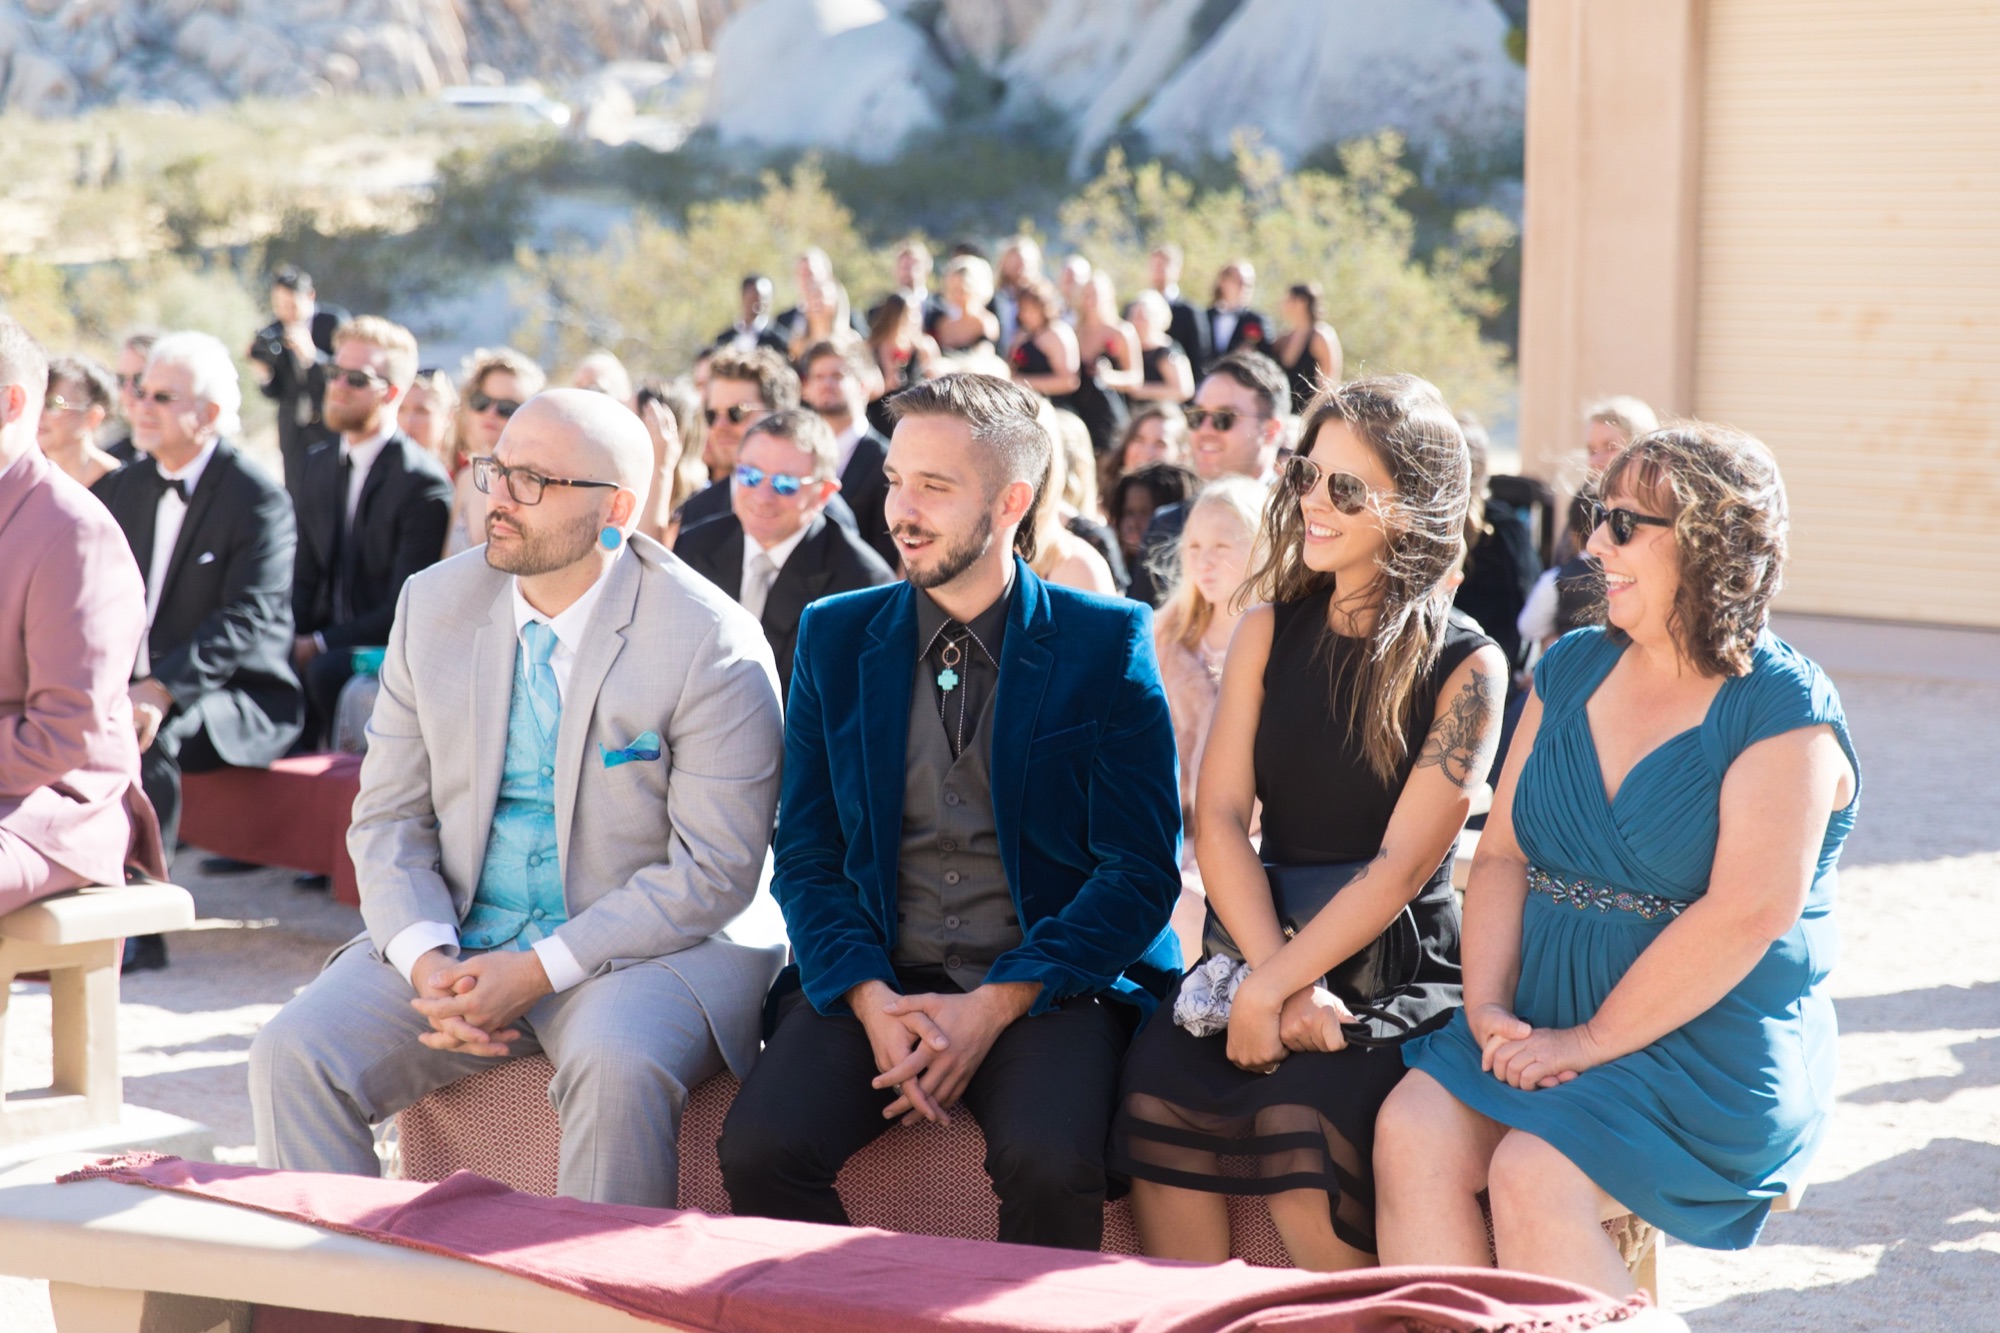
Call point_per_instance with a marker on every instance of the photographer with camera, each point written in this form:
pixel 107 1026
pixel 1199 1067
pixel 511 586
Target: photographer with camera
pixel 291 354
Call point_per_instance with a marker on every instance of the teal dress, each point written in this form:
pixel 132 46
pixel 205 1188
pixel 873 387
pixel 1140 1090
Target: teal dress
pixel 1700 1131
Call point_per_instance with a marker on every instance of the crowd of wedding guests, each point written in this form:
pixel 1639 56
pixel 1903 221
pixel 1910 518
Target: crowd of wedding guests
pixel 1161 897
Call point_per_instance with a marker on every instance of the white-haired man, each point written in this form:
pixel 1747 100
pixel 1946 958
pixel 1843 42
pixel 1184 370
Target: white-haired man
pixel 214 537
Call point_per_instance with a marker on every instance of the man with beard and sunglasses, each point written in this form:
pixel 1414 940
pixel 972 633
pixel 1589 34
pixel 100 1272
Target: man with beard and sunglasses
pixel 1238 422
pixel 742 388
pixel 571 774
pixel 373 508
pixel 977 852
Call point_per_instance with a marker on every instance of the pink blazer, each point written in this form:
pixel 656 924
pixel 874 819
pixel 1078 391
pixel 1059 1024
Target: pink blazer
pixel 72 610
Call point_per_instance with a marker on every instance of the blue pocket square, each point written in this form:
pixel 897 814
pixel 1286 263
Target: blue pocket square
pixel 645 748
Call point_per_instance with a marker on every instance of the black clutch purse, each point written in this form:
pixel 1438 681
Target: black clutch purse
pixel 1368 979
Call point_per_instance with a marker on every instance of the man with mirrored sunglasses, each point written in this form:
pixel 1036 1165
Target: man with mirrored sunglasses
pixel 742 387
pixel 776 552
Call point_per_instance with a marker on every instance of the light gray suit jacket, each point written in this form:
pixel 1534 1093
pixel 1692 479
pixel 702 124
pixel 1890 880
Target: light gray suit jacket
pixel 657 856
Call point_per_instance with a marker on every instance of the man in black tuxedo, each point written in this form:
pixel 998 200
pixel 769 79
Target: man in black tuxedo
pixel 290 354
pixel 215 540
pixel 373 509
pixel 1232 324
pixel 776 552
pixel 754 326
pixel 1188 326
pixel 913 284
pixel 834 384
pixel 1240 418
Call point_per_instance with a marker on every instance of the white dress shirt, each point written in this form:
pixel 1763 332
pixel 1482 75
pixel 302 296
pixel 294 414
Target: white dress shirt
pixel 168 517
pixel 414 941
pixel 1223 327
pixel 361 457
pixel 845 443
pixel 750 597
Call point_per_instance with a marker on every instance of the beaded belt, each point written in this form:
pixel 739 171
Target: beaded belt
pixel 1586 893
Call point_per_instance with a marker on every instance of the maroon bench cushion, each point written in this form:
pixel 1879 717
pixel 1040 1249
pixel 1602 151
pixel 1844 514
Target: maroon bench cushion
pixel 294 814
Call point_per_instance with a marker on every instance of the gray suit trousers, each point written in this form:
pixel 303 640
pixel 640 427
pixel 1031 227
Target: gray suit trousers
pixel 344 1056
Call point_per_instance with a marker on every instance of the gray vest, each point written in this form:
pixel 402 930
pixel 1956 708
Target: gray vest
pixel 952 903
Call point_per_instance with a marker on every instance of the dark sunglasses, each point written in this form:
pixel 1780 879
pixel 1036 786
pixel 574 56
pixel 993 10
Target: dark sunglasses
pixel 506 407
pixel 782 483
pixel 1344 491
pixel 737 415
pixel 130 381
pixel 1624 523
pixel 1223 418
pixel 354 379
pixel 163 397
pixel 526 487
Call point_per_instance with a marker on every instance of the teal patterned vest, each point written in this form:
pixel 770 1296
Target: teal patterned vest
pixel 520 895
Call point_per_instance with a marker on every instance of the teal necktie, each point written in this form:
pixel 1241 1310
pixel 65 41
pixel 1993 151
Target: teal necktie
pixel 540 641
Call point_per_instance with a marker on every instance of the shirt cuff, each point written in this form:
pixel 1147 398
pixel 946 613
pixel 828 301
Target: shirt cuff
pixel 413 942
pixel 559 963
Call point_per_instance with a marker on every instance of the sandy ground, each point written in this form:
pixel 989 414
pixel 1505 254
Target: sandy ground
pixel 1899 1229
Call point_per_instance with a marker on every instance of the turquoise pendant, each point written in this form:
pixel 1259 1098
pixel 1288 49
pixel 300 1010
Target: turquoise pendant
pixel 947 680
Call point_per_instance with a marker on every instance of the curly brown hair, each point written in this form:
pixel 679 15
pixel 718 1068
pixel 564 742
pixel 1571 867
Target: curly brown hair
pixel 1404 419
pixel 1722 490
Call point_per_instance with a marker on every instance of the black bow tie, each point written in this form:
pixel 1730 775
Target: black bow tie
pixel 175 484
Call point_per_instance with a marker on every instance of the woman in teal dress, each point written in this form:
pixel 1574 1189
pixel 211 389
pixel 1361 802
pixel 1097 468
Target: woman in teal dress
pixel 1648 927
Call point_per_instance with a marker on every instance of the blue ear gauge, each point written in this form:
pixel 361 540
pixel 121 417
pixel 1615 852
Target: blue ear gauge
pixel 609 538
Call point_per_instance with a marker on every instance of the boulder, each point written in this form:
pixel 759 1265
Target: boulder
pixel 40 85
pixel 846 75
pixel 988 31
pixel 1310 72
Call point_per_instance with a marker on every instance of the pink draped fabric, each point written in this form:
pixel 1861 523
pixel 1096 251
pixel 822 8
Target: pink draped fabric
pixel 749 1275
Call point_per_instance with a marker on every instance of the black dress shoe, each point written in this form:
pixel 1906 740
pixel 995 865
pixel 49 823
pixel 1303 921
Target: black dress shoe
pixel 145 953
pixel 226 865
pixel 317 883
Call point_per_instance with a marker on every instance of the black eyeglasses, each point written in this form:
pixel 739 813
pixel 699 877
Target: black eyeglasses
pixel 524 486
pixel 1223 418
pixel 506 407
pixel 1624 523
pixel 737 415
pixel 354 379
pixel 1345 491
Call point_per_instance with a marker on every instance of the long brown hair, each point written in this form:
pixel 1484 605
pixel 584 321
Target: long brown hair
pixel 1404 419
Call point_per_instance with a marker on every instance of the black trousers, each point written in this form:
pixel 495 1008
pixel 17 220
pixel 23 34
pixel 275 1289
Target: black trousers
pixel 182 746
pixel 1043 1098
pixel 324 677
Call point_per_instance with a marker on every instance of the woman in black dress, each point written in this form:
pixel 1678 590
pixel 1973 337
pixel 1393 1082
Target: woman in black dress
pixel 1309 349
pixel 1363 715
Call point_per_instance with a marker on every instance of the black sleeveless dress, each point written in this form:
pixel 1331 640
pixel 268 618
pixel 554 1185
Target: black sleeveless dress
pixel 1189 1118
pixel 1101 411
pixel 1304 375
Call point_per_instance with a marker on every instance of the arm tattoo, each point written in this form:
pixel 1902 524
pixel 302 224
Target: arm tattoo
pixel 1463 740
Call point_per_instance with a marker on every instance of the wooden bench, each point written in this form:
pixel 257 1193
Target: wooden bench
pixel 294 814
pixel 77 938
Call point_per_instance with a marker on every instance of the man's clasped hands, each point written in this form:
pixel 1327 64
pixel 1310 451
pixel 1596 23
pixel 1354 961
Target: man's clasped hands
pixel 472 1003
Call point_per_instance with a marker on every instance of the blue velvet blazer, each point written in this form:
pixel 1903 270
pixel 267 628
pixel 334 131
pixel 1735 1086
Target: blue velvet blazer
pixel 1086 795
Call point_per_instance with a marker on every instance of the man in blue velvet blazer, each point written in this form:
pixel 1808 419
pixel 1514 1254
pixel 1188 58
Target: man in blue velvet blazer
pixel 977 846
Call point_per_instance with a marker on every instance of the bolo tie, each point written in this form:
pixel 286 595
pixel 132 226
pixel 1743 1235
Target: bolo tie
pixel 951 654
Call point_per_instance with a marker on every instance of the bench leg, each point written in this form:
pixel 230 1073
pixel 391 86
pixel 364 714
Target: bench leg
pixel 81 1309
pixel 1646 1272
pixel 84 1019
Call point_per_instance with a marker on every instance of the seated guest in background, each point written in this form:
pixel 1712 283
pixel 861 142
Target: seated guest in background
pixel 966 322
pixel 425 413
pixel 1308 351
pixel 568 896
pixel 741 388
pixel 1134 500
pixel 1082 511
pixel 131 364
pixel 1362 715
pixel 1240 418
pixel 913 279
pixel 1044 356
pixel 602 372
pixel 1233 325
pixel 1186 325
pixel 1061 556
pixel 1020 264
pixel 79 400
pixel 809 270
pixel 1157 432
pixel 754 327
pixel 1191 637
pixel 1107 352
pixel 672 417
pixel 903 352
pixel 1650 918
pixel 497 382
pixel 1501 563
pixel 833 381
pixel 216 541
pixel 976 854
pixel 777 552
pixel 1071 280
pixel 1165 373
pixel 825 317
pixel 72 609
pixel 1570 595
pixel 288 354
pixel 373 509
